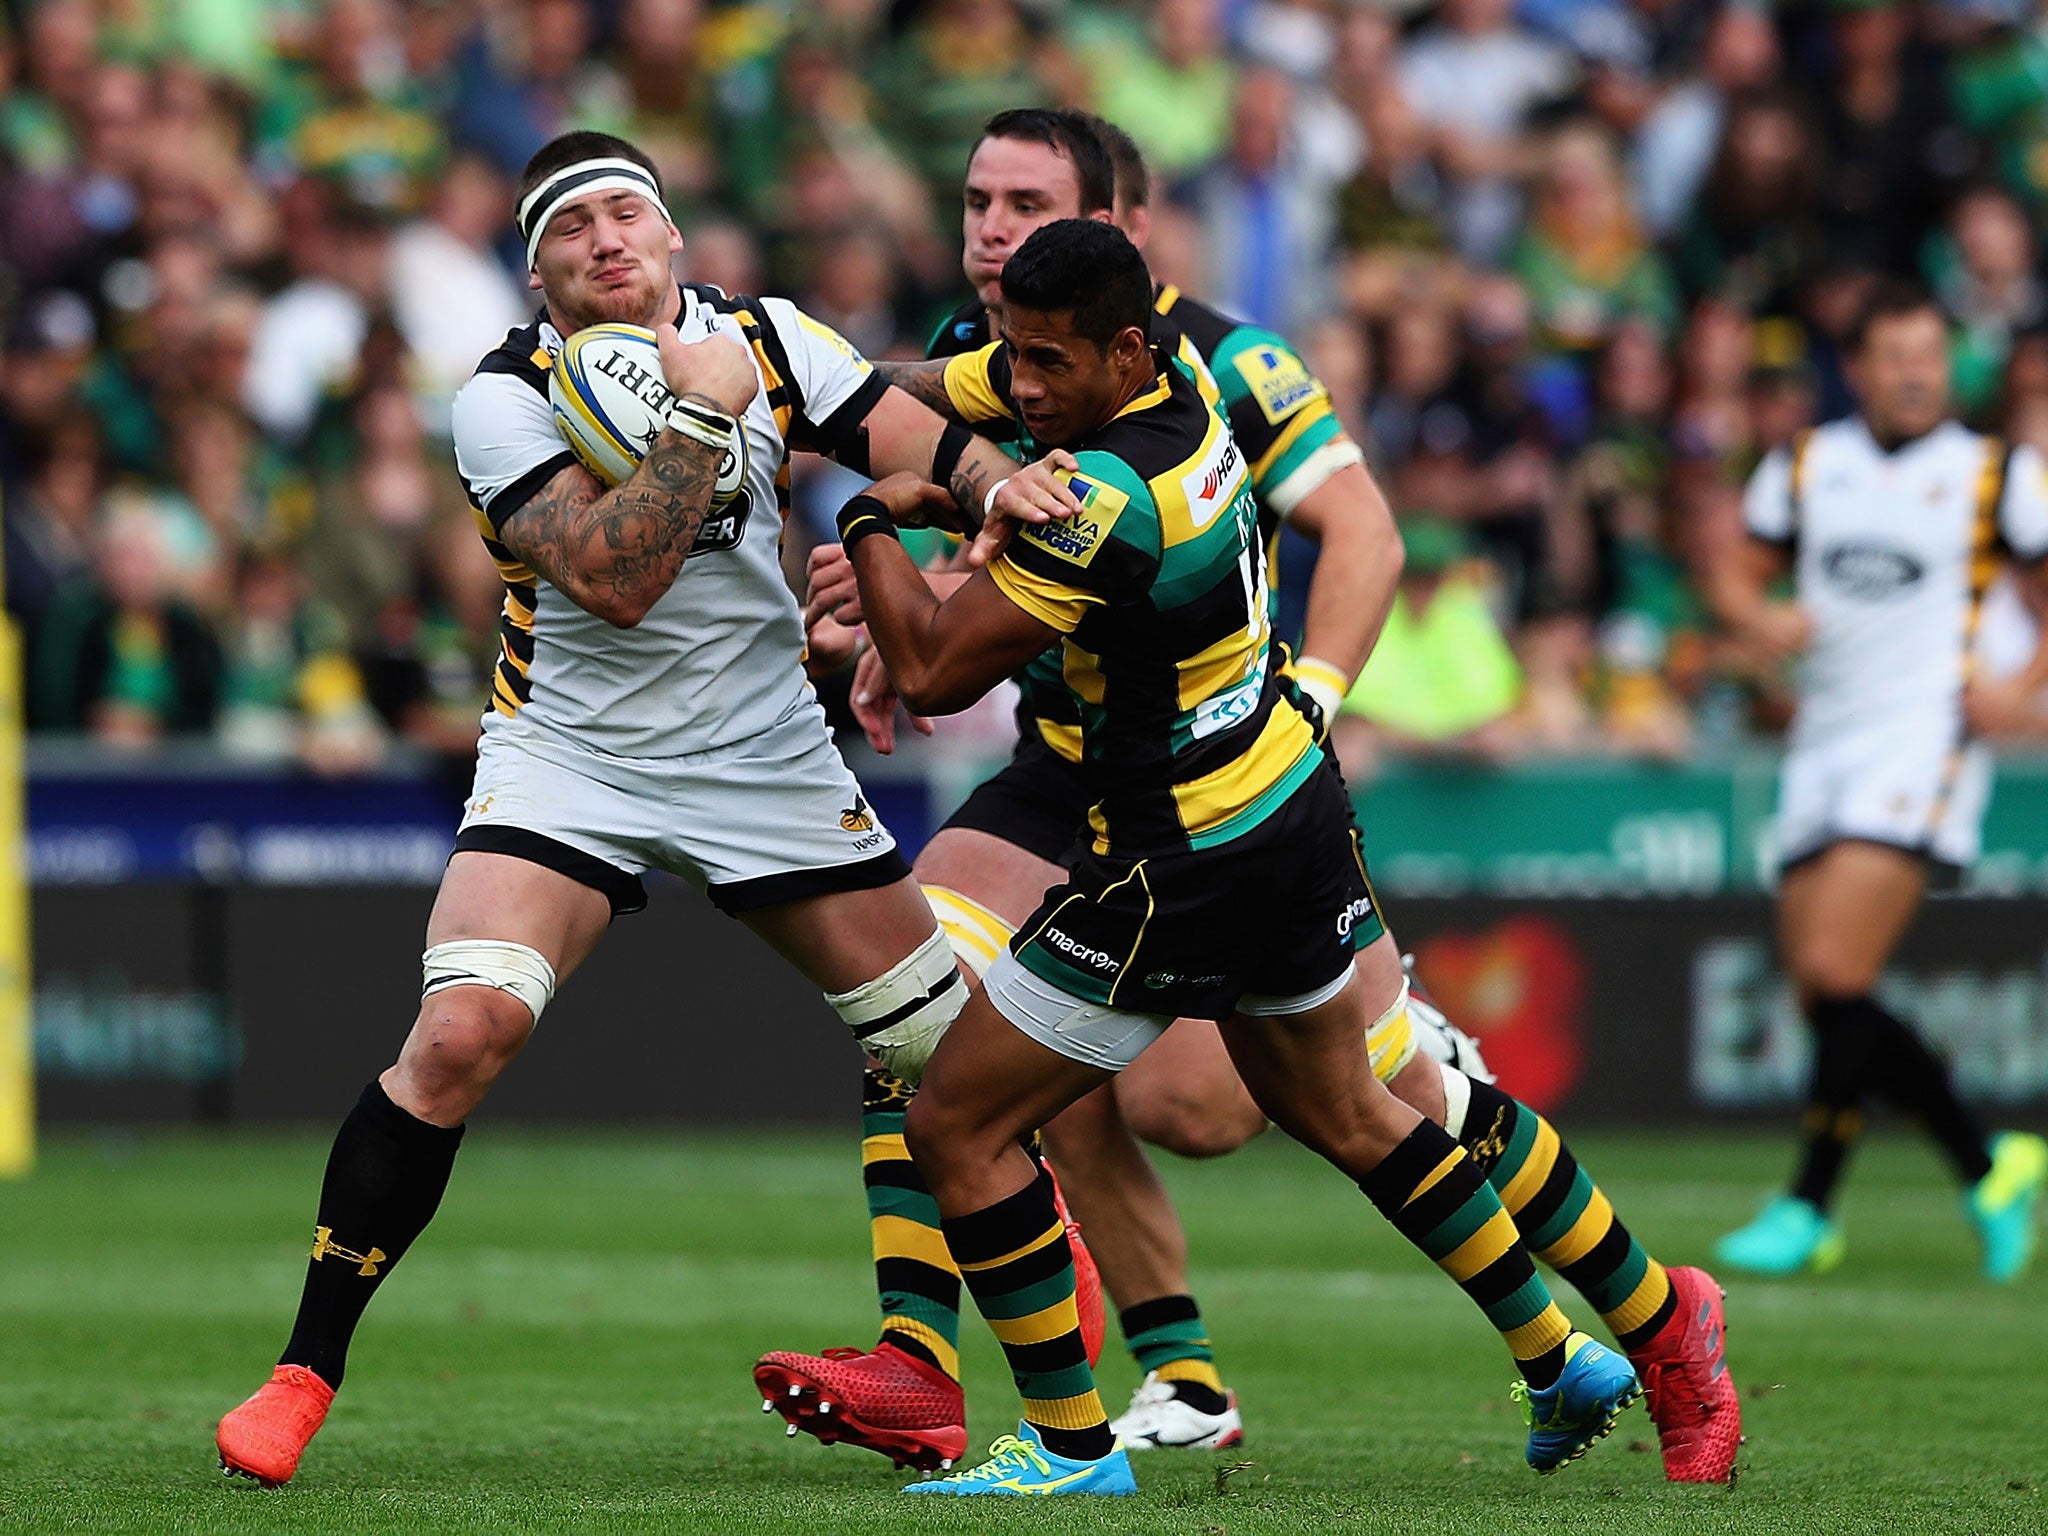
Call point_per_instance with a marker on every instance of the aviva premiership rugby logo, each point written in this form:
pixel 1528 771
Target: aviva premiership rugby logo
pixel 1079 537
pixel 1278 381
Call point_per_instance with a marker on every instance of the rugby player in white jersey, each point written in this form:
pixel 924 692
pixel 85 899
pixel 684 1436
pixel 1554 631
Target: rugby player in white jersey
pixel 990 865
pixel 646 713
pixel 1893 524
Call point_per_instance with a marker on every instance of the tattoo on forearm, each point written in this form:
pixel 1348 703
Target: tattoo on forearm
pixel 981 465
pixel 624 546
pixel 923 382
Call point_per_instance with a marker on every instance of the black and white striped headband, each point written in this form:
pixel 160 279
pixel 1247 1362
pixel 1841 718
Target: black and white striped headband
pixel 579 180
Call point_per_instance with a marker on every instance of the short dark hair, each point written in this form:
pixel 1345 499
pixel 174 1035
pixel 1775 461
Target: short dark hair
pixel 580 144
pixel 1084 266
pixel 1133 178
pixel 1069 134
pixel 1890 299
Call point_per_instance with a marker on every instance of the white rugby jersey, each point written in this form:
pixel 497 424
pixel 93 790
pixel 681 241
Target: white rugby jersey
pixel 1894 553
pixel 719 658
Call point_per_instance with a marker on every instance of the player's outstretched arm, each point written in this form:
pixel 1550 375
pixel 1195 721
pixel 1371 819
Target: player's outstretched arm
pixel 986 485
pixel 1352 590
pixel 615 553
pixel 942 656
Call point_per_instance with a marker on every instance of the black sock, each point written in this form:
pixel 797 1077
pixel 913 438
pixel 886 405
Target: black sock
pixel 384 1180
pixel 1842 1050
pixel 1916 1081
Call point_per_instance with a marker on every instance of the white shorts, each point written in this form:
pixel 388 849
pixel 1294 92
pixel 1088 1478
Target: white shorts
pixel 1920 793
pixel 775 818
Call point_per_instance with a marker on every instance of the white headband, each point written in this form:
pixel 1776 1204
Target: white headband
pixel 578 180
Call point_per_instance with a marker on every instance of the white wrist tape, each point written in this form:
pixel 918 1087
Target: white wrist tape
pixel 900 1015
pixel 988 502
pixel 514 968
pixel 1323 682
pixel 700 423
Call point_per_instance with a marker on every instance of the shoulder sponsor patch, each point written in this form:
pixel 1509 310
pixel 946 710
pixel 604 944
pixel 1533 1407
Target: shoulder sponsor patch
pixel 1213 484
pixel 1278 380
pixel 830 337
pixel 1077 538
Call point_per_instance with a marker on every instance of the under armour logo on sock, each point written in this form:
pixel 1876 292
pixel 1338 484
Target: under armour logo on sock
pixel 324 1244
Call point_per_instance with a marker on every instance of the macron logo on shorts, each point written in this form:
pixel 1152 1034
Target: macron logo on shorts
pixel 1352 916
pixel 1075 950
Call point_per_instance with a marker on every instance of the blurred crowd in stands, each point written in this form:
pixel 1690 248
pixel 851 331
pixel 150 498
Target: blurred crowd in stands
pixel 1569 267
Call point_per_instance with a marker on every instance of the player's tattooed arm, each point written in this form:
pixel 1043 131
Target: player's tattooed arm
pixel 615 553
pixel 925 383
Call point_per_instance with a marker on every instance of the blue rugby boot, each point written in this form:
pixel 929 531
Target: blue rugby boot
pixel 1790 1235
pixel 1019 1465
pixel 2001 1204
pixel 1564 1420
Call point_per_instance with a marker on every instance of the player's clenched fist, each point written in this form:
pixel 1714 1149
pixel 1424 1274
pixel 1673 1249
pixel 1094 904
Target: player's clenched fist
pixel 717 369
pixel 830 589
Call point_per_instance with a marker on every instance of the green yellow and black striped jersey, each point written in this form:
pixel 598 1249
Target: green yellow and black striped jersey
pixel 1158 585
pixel 1278 410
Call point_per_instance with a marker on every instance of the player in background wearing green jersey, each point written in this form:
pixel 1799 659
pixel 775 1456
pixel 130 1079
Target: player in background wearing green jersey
pixel 1010 840
pixel 1218 876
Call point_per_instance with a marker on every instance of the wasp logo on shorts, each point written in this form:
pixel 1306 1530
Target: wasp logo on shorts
pixel 859 819
pixel 324 1244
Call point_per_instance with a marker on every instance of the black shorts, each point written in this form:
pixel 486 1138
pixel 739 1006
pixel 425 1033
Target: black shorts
pixel 1276 913
pixel 1038 801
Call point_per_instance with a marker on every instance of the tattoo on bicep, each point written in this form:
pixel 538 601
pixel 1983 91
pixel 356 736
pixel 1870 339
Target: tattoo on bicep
pixel 925 383
pixel 621 546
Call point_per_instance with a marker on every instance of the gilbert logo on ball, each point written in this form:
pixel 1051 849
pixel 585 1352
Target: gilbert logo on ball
pixel 611 402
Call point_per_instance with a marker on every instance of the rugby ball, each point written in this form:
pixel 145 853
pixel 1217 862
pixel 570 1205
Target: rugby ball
pixel 611 402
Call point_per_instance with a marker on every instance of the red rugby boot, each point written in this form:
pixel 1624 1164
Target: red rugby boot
pixel 1691 1395
pixel 883 1399
pixel 1087 1279
pixel 264 1438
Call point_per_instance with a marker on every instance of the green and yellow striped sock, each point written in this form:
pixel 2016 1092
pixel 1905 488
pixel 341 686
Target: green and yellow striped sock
pixel 916 1278
pixel 1167 1338
pixel 1437 1197
pixel 1564 1218
pixel 1014 1257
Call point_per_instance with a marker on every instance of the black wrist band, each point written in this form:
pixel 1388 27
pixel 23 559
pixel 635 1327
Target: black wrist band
pixel 862 516
pixel 946 458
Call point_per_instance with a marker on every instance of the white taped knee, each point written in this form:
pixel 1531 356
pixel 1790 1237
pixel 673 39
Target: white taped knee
pixel 900 1015
pixel 514 968
pixel 977 935
pixel 1390 1038
pixel 1457 1099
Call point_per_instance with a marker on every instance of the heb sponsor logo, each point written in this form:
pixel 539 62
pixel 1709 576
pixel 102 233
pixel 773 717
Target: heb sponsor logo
pixel 1213 484
pixel 1082 954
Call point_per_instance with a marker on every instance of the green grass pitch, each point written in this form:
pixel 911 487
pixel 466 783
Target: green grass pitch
pixel 568 1350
